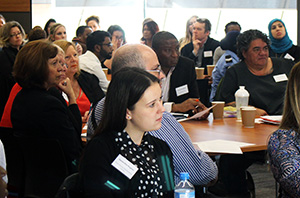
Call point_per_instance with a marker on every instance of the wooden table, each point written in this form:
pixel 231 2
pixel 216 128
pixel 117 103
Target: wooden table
pixel 230 129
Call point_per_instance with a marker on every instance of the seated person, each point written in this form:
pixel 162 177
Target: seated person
pixel 283 147
pixel 85 85
pixel 82 33
pixel 99 48
pixel 93 22
pixel 219 51
pixel 201 168
pixel 36 112
pixel 281 44
pixel 264 78
pixel 226 60
pixel 132 107
pixel 201 48
pixel 180 85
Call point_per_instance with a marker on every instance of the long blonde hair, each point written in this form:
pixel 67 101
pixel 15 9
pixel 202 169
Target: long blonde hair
pixel 291 110
pixel 188 35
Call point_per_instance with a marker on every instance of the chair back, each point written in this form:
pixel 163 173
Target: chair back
pixel 45 166
pixel 204 90
pixel 70 188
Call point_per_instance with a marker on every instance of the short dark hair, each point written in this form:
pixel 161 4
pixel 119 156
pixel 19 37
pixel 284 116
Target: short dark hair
pixel 232 23
pixel 80 30
pixel 159 38
pixel 96 38
pixel 206 22
pixel 36 33
pixel 244 40
pixel 124 91
pixel 93 17
pixel 47 25
pixel 31 64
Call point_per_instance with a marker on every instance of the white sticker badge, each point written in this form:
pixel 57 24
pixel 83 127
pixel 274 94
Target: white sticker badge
pixel 208 54
pixel 182 90
pixel 280 77
pixel 124 166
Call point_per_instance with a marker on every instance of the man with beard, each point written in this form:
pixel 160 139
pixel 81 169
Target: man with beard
pixel 99 48
pixel 179 88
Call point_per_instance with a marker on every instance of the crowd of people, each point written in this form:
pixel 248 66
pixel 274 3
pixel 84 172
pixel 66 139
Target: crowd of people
pixel 50 86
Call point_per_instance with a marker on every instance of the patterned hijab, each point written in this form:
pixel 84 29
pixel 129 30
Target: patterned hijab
pixel 279 45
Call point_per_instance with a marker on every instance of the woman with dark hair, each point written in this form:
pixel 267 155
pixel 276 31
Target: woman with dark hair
pixel 150 27
pixel 284 144
pixel 85 85
pixel 48 25
pixel 281 44
pixel 11 38
pixel 122 159
pixel 39 110
pixel 264 78
pixel 117 39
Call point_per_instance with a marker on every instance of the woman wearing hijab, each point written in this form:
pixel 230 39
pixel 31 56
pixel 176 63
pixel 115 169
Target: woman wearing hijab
pixel 281 45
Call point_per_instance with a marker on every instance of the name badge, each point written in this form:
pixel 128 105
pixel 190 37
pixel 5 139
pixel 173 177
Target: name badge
pixel 280 78
pixel 182 90
pixel 124 166
pixel 288 56
pixel 208 54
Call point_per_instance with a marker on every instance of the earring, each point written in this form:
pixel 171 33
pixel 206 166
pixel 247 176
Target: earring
pixel 128 117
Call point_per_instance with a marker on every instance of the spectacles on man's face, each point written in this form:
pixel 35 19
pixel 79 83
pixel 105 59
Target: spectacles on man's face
pixel 157 70
pixel 15 34
pixel 107 44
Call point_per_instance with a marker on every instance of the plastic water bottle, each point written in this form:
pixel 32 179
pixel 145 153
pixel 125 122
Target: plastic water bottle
pixel 184 189
pixel 241 99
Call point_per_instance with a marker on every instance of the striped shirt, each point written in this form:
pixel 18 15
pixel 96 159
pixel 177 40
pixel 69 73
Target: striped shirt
pixel 186 158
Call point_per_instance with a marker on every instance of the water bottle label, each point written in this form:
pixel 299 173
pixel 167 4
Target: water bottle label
pixel 185 195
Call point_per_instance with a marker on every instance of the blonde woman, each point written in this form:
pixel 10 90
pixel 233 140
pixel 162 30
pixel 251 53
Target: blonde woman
pixel 188 32
pixel 85 85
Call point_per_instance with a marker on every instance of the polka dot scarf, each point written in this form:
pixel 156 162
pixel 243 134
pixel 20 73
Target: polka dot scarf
pixel 143 156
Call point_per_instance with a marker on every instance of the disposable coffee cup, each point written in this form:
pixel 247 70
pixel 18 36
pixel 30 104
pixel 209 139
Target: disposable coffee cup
pixel 210 69
pixel 248 116
pixel 218 110
pixel 199 72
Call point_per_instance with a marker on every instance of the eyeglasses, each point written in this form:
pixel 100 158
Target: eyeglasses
pixel 157 70
pixel 259 49
pixel 107 44
pixel 15 34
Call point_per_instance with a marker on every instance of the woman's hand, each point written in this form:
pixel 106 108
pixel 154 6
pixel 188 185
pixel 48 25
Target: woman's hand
pixel 65 86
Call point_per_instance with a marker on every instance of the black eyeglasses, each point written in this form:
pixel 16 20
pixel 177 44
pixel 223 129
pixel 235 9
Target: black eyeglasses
pixel 107 44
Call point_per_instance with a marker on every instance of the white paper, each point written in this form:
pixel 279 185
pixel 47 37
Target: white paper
pixel 280 78
pixel 288 56
pixel 199 114
pixel 182 90
pixel 222 146
pixel 124 166
pixel 208 53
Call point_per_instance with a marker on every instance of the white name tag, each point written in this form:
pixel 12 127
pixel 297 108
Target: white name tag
pixel 182 90
pixel 288 56
pixel 124 166
pixel 208 54
pixel 280 78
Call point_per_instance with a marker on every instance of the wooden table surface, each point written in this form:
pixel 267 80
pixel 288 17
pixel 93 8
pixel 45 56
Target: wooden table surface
pixel 230 129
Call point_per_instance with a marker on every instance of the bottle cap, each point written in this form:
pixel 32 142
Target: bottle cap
pixel 184 176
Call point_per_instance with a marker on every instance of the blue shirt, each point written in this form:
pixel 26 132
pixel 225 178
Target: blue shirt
pixel 220 69
pixel 186 158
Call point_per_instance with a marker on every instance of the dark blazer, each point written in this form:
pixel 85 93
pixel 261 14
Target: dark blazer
pixel 210 45
pixel 183 74
pixel 96 169
pixel 89 83
pixel 7 59
pixel 39 113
